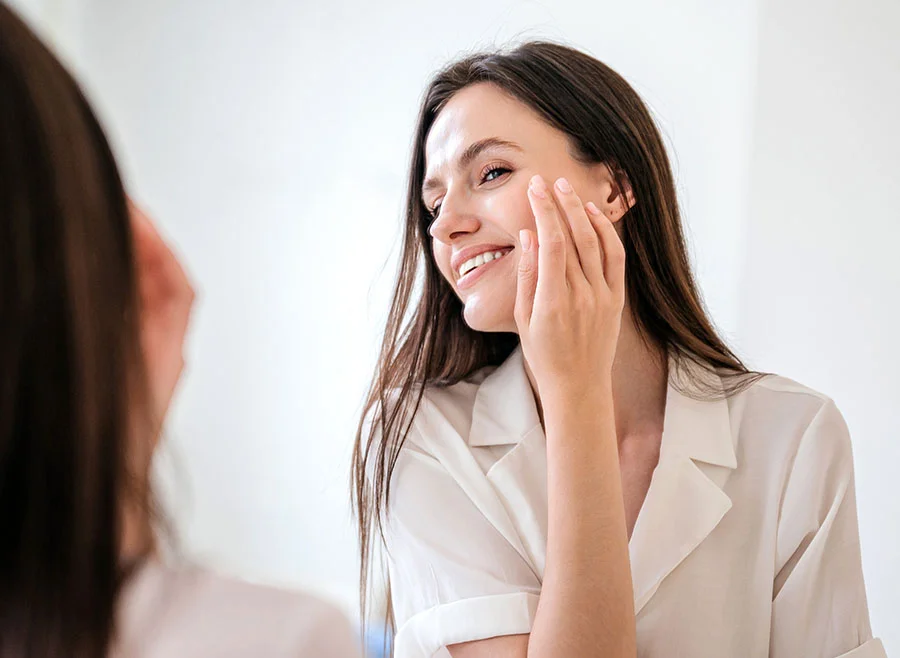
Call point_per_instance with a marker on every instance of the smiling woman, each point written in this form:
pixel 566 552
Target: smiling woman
pixel 561 455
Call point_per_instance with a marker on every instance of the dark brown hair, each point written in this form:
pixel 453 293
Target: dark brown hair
pixel 70 365
pixel 427 342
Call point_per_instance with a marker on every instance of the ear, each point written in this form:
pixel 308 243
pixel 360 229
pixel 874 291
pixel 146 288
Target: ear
pixel 616 197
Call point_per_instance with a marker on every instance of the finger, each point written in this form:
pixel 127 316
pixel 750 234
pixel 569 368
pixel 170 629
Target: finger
pixel 584 239
pixel 551 240
pixel 527 279
pixel 612 249
pixel 574 275
pixel 155 253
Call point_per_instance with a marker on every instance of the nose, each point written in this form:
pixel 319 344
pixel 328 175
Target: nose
pixel 455 220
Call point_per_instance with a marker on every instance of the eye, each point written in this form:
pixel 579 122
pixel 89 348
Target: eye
pixel 493 172
pixel 435 210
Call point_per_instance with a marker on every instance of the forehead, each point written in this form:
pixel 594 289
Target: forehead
pixel 483 111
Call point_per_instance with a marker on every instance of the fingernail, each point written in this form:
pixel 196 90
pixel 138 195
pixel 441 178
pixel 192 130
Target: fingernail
pixel 563 186
pixel 538 187
pixel 591 208
pixel 525 239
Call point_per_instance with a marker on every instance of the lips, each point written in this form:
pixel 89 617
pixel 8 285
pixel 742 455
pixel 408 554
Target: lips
pixel 465 260
pixel 472 269
pixel 480 260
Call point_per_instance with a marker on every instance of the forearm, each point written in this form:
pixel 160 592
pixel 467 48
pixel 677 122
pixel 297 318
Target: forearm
pixel 587 604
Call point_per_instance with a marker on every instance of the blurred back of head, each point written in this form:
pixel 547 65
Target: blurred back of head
pixel 70 365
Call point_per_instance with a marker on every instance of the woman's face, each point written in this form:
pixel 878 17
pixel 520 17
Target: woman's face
pixel 480 154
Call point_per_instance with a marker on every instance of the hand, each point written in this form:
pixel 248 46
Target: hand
pixel 571 292
pixel 166 298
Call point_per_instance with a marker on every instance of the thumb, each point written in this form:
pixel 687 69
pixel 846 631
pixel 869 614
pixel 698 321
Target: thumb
pixel 527 278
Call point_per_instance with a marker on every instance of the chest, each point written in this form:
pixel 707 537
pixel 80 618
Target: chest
pixel 638 457
pixel 672 505
pixel 519 475
pixel 694 557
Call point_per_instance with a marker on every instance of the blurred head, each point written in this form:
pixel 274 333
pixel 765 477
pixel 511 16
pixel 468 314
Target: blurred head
pixel 72 449
pixel 488 123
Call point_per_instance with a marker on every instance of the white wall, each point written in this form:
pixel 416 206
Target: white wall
pixel 819 298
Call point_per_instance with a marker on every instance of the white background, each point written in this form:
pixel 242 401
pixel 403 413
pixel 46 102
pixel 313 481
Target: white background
pixel 270 140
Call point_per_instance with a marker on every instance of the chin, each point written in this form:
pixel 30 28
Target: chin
pixel 487 317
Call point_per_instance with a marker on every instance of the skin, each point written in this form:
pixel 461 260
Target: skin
pixel 166 298
pixel 486 202
pixel 600 389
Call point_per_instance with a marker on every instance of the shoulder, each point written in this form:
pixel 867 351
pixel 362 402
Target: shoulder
pixel 445 413
pixel 806 448
pixel 193 611
pixel 206 590
pixel 794 420
pixel 451 403
pixel 779 401
pixel 435 458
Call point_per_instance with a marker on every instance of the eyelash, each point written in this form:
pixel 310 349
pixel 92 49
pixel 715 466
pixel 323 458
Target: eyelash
pixel 487 171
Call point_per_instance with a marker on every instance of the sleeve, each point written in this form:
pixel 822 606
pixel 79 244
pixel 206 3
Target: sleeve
pixel 819 608
pixel 454 577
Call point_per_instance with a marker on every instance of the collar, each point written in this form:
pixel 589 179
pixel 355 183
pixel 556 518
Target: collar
pixel 505 412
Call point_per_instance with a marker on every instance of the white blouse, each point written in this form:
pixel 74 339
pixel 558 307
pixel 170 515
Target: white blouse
pixel 193 613
pixel 746 544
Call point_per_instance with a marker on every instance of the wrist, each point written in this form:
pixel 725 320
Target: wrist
pixel 567 396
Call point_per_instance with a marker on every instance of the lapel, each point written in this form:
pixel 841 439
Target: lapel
pixel 683 504
pixel 504 411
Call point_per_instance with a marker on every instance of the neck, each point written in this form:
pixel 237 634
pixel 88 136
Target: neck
pixel 639 384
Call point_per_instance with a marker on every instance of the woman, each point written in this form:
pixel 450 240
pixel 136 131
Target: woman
pixel 561 454
pixel 93 314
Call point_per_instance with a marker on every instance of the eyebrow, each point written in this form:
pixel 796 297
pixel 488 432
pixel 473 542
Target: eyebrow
pixel 468 156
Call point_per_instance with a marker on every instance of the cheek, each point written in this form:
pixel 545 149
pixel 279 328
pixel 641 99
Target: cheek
pixel 493 309
pixel 442 254
pixel 510 210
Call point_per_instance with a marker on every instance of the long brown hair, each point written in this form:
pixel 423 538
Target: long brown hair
pixel 427 342
pixel 70 366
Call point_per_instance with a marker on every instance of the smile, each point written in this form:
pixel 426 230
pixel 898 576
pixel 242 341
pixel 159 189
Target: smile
pixel 479 260
pixel 472 268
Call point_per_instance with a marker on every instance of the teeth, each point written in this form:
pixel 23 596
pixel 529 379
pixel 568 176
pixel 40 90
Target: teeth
pixel 467 267
pixel 478 261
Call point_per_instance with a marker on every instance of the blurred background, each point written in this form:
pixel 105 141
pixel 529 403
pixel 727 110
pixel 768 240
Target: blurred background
pixel 270 141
